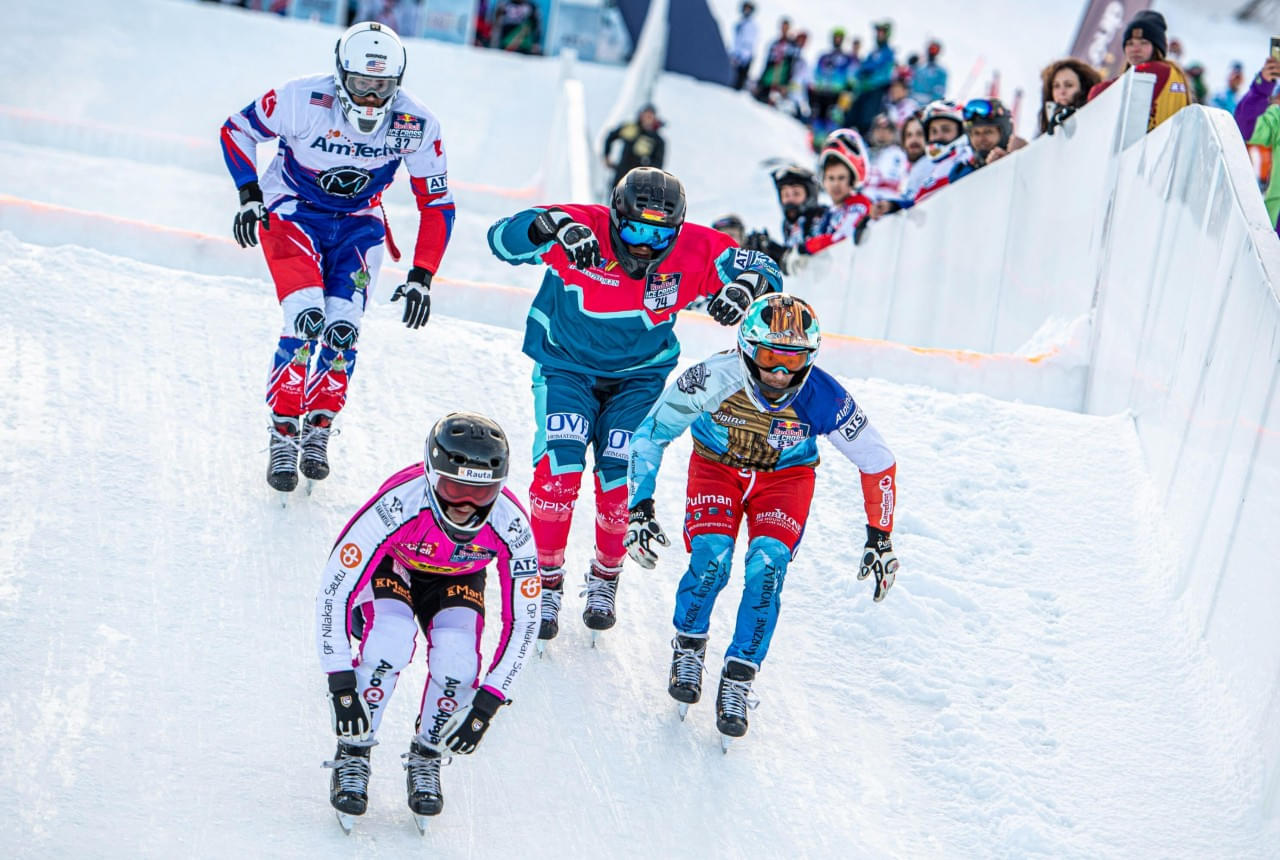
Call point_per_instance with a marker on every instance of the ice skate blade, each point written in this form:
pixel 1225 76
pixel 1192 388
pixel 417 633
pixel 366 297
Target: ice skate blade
pixel 725 743
pixel 541 646
pixel 346 821
pixel 682 708
pixel 311 485
pixel 595 637
pixel 420 821
pixel 284 498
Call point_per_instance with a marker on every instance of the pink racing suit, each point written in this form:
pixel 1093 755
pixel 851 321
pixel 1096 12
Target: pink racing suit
pixel 392 563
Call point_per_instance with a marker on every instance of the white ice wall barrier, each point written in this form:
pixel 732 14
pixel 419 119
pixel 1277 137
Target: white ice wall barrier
pixel 985 263
pixel 1187 337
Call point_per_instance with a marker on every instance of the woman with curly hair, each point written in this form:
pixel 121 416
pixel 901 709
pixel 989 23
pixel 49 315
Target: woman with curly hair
pixel 1066 85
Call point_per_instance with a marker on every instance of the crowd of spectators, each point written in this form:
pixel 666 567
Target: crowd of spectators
pixel 887 136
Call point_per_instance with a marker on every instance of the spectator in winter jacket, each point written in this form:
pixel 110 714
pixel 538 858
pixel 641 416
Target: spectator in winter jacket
pixel 830 77
pixel 1199 86
pixel 779 61
pixel 1259 123
pixel 929 81
pixel 1230 97
pixel 871 83
pixel 642 146
pixel 898 103
pixel 990 128
pixel 1145 44
pixel 1064 90
pixel 886 161
pixel 745 34
pixel 517 26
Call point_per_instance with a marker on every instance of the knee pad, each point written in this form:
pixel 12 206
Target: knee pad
pixel 341 335
pixel 711 557
pixel 767 556
pixel 388 639
pixel 309 323
pixel 553 496
pixel 453 638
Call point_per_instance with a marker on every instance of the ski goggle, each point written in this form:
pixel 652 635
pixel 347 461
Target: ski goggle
pixel 363 85
pixel 983 109
pixel 654 236
pixel 451 491
pixel 779 360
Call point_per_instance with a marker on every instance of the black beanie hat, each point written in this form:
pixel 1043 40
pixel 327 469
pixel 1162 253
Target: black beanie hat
pixel 1149 25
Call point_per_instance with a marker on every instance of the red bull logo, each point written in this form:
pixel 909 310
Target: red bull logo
pixel 785 433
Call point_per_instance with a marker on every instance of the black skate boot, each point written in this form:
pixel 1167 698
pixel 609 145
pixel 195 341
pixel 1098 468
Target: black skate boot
pixel 552 595
pixel 734 698
pixel 282 467
pixel 349 788
pixel 315 445
pixel 422 779
pixel 687 656
pixel 601 592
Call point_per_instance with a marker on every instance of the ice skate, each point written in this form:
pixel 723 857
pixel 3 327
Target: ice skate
pixel 734 699
pixel 315 446
pixel 552 596
pixel 422 781
pixel 601 591
pixel 282 465
pixel 687 663
pixel 349 787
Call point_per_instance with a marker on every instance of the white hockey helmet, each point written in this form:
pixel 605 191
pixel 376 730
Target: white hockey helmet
pixel 370 60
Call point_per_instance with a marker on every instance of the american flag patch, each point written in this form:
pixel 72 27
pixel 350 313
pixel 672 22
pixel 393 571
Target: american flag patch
pixel 323 99
pixel 375 66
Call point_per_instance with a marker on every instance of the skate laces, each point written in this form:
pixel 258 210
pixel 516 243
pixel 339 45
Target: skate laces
pixel 688 664
pixel 600 594
pixel 284 450
pixel 353 772
pixel 424 771
pixel 736 698
pixel 315 439
pixel 551 598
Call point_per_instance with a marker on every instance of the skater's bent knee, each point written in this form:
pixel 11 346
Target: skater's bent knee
pixel 341 335
pixel 309 323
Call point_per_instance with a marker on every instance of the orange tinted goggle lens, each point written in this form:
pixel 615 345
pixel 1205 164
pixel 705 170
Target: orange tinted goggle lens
pixel 772 359
pixel 455 492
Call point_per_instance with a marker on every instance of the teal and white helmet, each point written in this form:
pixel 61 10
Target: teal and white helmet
pixel 370 61
pixel 779 332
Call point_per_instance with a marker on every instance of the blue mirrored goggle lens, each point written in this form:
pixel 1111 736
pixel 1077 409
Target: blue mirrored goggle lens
pixel 978 108
pixel 640 233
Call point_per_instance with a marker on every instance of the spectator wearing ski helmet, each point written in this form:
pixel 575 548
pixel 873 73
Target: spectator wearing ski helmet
pixel 990 129
pixel 797 189
pixel 1145 49
pixel 1065 86
pixel 732 226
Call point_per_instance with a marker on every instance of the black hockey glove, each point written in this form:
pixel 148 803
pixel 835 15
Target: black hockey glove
pixel 580 245
pixel 251 213
pixel 416 292
pixel 462 735
pixel 643 529
pixel 351 720
pixel 728 306
pixel 878 558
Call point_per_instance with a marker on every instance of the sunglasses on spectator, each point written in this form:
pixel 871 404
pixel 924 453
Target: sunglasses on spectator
pixel 983 109
pixel 363 85
pixel 641 233
pixel 779 360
